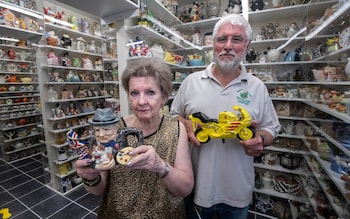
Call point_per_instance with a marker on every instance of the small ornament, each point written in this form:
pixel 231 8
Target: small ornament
pixel 81 44
pixel 72 76
pixel 85 26
pixel 66 42
pixel 53 95
pixel 76 62
pixel 98 64
pixel 52 58
pixel 92 47
pixel 87 64
pixel 51 38
pixel 65 61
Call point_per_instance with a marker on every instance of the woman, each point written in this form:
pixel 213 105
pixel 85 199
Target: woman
pixel 153 183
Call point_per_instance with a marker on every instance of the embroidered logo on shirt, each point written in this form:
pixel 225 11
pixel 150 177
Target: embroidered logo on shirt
pixel 243 97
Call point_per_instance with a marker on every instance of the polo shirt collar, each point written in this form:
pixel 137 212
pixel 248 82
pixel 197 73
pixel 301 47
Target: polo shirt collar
pixel 207 73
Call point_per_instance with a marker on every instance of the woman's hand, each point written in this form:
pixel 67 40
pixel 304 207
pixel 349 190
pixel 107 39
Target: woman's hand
pixel 146 158
pixel 85 170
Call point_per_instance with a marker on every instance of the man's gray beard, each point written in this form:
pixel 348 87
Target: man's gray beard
pixel 227 66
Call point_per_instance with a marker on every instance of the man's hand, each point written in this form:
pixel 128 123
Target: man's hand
pixel 190 132
pixel 253 146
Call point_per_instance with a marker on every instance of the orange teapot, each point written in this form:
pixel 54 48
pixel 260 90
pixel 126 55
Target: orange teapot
pixel 11 78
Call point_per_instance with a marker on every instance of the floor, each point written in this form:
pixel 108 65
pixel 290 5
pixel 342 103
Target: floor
pixel 24 193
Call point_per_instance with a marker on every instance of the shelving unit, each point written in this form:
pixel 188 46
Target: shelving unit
pixel 20 110
pixel 73 88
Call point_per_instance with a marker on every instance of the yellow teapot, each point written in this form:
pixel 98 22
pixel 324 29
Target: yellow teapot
pixel 26 79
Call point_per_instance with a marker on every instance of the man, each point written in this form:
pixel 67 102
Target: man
pixel 224 171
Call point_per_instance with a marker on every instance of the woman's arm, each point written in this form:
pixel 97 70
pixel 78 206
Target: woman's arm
pixel 180 180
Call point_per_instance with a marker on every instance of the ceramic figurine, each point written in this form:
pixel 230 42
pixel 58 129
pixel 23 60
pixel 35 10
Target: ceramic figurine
pixel 208 41
pixel 195 14
pixel 66 42
pixel 213 8
pixel 251 55
pixel 87 64
pixel 51 38
pixel 257 5
pixel 72 109
pixel 52 58
pixel 55 77
pixel 185 16
pixel 106 145
pixel 96 77
pixel 96 29
pixel 62 155
pixel 11 54
pixel 76 62
pixel 84 25
pixel 65 61
pixel 140 49
pixel 67 94
pixel 72 76
pixel 234 6
pixel 98 64
pixel 73 20
pixel 196 38
pixel 81 44
pixel 92 47
pixel 53 95
pixel 58 111
pixel 87 106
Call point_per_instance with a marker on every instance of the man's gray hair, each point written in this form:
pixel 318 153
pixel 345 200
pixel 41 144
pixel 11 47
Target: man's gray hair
pixel 234 19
